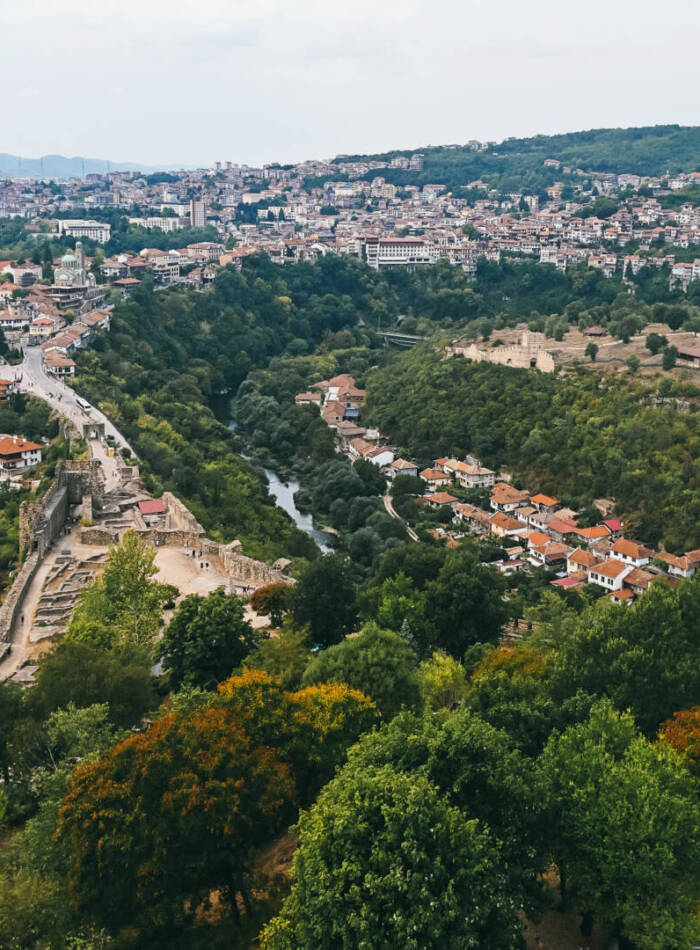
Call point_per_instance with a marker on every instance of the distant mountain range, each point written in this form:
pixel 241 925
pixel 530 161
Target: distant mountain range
pixel 58 166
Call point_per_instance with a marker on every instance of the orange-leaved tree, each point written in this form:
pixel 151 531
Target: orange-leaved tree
pixel 312 729
pixel 168 816
pixel 682 731
pixel 273 600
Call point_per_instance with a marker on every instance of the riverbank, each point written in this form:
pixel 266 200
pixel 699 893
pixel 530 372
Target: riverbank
pixel 283 492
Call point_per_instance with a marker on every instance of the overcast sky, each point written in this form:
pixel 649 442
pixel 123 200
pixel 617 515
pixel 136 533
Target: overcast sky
pixel 251 81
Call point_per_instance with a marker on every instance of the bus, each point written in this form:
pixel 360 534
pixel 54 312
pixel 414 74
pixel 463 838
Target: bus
pixel 85 406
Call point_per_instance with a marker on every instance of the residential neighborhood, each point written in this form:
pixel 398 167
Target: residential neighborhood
pixel 301 211
pixel 534 529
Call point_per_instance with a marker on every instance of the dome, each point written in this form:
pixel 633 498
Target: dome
pixel 68 259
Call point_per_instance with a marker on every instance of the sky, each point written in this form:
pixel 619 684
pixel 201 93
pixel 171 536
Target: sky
pixel 196 81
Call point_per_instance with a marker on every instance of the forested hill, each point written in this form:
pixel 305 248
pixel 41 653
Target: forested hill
pixel 578 438
pixel 518 163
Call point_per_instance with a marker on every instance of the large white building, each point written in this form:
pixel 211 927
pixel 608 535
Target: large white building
pixel 95 230
pixel 383 252
pixel 162 223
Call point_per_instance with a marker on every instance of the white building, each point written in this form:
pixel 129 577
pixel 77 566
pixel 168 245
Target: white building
pixel 609 574
pixel 163 223
pixel 95 230
pixel 16 454
pixel 382 252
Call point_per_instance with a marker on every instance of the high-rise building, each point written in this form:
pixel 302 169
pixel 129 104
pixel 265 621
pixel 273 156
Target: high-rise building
pixel 197 217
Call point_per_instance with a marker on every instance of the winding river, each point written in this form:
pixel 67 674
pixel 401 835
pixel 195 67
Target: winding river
pixel 283 493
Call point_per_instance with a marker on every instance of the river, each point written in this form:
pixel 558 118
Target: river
pixel 283 493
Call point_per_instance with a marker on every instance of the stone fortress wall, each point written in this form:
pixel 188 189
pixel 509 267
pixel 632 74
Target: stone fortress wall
pixel 82 483
pixel 530 353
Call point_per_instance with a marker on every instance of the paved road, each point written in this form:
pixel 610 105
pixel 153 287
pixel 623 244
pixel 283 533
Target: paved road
pixel 391 511
pixel 33 380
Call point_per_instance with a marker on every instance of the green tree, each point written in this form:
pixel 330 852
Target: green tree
pixel 511 690
pixel 398 601
pixel 463 605
pixel 354 887
pixel 633 363
pixel 125 605
pixel 646 660
pixel 592 351
pixel 669 356
pixel 655 342
pixel 324 600
pixel 207 638
pixel 378 662
pixel 12 711
pixel 479 770
pixel 625 823
pixel 443 682
pixel 82 674
pixel 284 656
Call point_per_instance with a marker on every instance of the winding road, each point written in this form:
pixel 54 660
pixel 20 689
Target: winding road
pixel 391 511
pixel 31 379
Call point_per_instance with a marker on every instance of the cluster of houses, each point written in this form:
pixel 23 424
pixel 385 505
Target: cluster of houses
pixel 534 529
pixel 195 265
pixel 299 212
pixel 537 531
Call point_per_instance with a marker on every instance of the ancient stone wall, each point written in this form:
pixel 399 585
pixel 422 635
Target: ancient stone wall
pixel 40 522
pixel 529 356
pixel 15 595
pixel 253 573
pixel 180 518
pixel 101 536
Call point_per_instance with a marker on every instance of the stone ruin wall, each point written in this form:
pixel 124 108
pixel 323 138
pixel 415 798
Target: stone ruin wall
pixel 182 528
pixel 254 573
pixel 15 595
pixel 518 355
pixel 41 522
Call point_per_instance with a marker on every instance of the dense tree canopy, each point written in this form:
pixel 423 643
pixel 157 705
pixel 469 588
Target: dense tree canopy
pixel 384 861
pixel 581 437
pixel 624 819
pixel 324 600
pixel 206 639
pixel 377 662
pixel 169 815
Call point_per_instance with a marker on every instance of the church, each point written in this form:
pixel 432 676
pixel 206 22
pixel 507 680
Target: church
pixel 72 280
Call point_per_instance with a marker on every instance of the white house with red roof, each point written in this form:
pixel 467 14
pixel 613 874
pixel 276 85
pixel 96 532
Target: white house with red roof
pixel 17 454
pixel 609 574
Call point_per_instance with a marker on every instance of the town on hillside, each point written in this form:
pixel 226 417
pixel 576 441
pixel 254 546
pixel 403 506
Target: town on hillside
pixel 534 529
pixel 614 223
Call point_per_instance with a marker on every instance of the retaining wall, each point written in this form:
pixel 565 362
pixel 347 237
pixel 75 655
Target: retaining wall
pixel 15 595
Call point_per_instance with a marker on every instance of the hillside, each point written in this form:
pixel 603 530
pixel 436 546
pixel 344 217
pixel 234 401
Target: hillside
pixel 518 163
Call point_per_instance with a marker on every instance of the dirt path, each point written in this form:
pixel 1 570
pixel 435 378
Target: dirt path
pixel 391 511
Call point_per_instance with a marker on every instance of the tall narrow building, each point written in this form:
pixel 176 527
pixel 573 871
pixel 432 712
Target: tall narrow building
pixel 197 217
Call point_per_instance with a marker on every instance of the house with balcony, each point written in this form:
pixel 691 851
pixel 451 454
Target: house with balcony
pixel 17 454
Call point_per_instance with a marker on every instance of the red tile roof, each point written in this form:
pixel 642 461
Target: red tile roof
pixel 153 506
